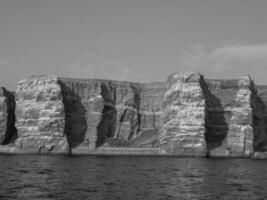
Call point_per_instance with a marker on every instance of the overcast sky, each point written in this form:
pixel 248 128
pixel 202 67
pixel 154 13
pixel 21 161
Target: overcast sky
pixel 137 40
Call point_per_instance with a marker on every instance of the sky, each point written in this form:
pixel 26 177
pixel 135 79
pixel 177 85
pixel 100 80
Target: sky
pixel 134 40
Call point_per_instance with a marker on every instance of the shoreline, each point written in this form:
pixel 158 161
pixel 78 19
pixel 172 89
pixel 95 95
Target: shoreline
pixel 117 151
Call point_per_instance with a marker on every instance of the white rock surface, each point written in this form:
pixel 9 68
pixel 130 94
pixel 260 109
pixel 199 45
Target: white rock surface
pixel 183 118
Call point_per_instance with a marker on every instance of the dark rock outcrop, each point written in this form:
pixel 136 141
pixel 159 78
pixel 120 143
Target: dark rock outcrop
pixel 259 104
pixel 7 117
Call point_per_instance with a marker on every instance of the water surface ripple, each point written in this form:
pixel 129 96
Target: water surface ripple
pixel 122 177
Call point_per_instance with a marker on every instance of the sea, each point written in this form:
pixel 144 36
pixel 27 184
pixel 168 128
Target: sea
pixel 130 177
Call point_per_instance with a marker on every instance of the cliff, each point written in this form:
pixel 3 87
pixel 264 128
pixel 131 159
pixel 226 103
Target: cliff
pixel 229 117
pixel 183 118
pixel 111 113
pixel 40 116
pixel 186 116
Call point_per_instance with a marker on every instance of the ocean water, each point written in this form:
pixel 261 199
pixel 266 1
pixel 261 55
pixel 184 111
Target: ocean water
pixel 122 177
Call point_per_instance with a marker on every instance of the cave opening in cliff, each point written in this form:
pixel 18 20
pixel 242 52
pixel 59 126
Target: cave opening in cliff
pixel 107 126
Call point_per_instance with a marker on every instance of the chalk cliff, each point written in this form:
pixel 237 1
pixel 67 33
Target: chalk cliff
pixel 186 116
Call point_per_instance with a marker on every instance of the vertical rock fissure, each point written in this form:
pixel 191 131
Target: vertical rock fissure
pixel 135 118
pixel 216 127
pixel 107 125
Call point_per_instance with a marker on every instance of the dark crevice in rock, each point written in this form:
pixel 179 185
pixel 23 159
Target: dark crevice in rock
pixel 215 119
pixel 107 125
pixel 75 119
pixel 10 133
pixel 129 114
pixel 259 121
pixel 137 102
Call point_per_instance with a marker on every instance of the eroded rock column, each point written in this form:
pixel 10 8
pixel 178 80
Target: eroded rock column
pixel 40 116
pixel 183 118
pixel 240 134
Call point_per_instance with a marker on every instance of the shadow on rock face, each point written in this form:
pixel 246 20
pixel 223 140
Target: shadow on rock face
pixel 10 134
pixel 75 120
pixel 259 112
pixel 107 126
pixel 216 120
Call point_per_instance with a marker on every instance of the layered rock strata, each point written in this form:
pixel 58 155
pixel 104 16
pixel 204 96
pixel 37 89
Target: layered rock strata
pixel 229 123
pixel 40 116
pixel 183 117
pixel 219 95
pixel 7 117
pixel 240 134
pixel 111 113
pixel 186 116
pixel 83 106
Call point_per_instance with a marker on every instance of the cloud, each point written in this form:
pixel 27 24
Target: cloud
pixel 239 51
pixel 228 61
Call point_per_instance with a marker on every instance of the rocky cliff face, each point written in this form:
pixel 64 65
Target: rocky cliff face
pixel 183 118
pixel 40 116
pixel 229 117
pixel 240 134
pixel 7 117
pixel 235 122
pixel 111 113
pixel 219 95
pixel 186 116
pixel 83 106
pixel 259 103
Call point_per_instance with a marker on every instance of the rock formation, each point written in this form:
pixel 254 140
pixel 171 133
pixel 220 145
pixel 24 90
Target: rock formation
pixel 40 116
pixel 111 113
pixel 186 116
pixel 229 118
pixel 259 108
pixel 183 118
pixel 240 134
pixel 7 116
